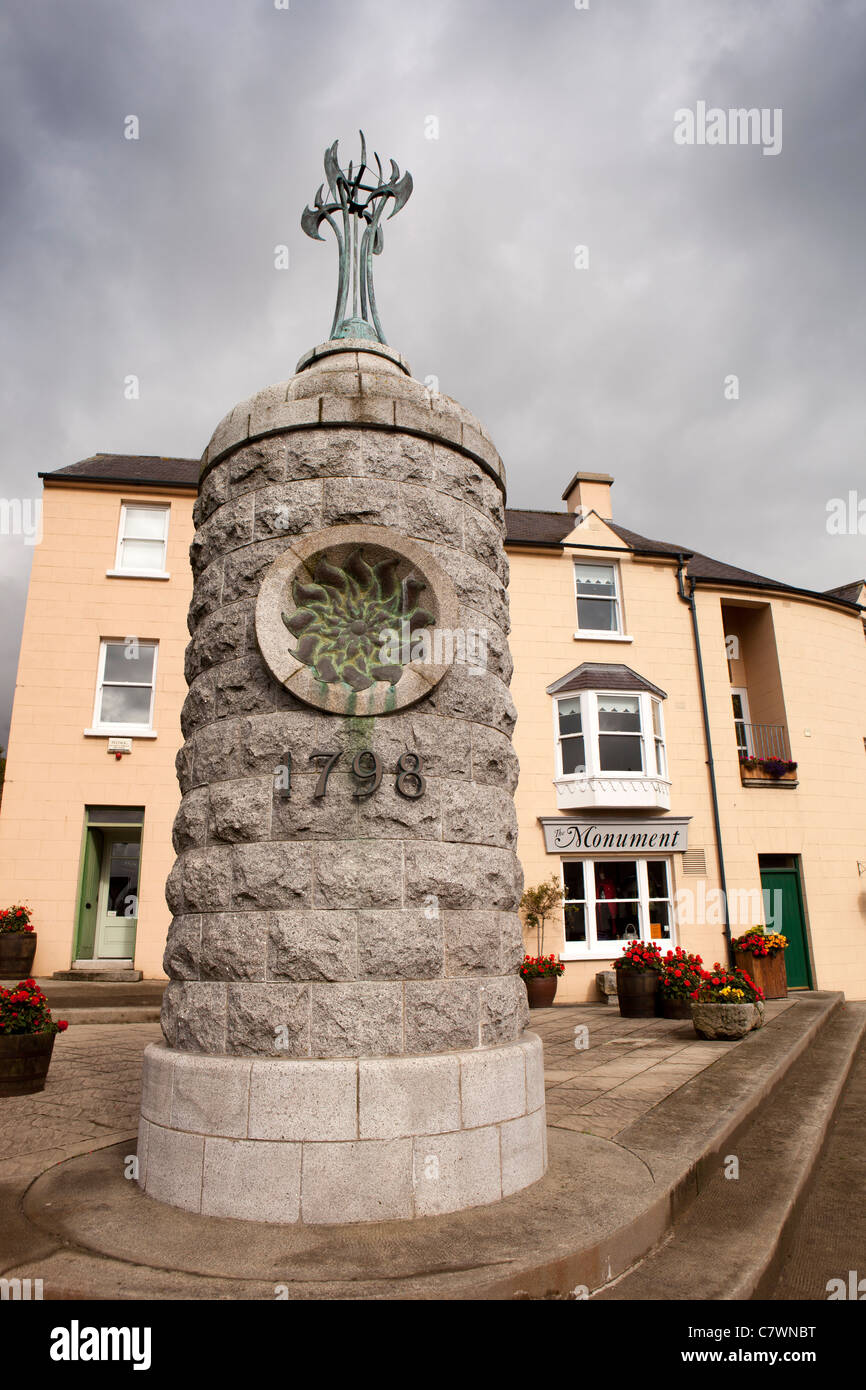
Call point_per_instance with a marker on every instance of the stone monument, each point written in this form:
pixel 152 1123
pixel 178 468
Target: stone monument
pixel 344 1021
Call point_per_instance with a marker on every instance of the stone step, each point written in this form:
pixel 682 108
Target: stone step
pixel 120 975
pixel 726 1246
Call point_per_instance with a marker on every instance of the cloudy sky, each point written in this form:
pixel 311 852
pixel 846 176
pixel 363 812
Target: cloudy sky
pixel 554 129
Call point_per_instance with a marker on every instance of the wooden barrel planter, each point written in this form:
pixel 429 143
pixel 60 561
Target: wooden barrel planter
pixel 674 1008
pixel 636 991
pixel 768 972
pixel 24 1062
pixel 17 949
pixel 541 990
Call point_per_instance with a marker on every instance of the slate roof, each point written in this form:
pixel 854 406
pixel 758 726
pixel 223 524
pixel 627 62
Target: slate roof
pixel 134 470
pixel 550 528
pixel 596 675
pixel 523 527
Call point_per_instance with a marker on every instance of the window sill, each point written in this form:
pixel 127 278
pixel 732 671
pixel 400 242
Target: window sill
pixel 120 733
pixel 752 779
pixel 601 637
pixel 137 574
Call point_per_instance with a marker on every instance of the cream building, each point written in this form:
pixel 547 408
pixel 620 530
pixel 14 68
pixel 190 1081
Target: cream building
pixel 652 686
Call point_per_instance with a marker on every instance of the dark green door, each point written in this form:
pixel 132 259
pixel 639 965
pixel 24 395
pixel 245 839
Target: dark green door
pixel 786 882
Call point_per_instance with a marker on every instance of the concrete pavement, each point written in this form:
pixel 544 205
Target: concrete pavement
pixel 638 1119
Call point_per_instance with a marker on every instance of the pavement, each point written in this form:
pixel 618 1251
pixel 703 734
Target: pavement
pixel 641 1118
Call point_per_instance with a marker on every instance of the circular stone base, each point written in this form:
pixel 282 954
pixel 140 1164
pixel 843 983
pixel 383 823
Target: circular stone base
pixel 353 1139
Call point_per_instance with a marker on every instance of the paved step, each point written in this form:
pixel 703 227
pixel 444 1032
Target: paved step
pixel 130 1014
pixel 125 976
pixel 827 1237
pixel 727 1245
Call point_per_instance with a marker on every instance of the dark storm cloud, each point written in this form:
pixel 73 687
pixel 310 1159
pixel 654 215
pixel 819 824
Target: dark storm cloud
pixel 155 256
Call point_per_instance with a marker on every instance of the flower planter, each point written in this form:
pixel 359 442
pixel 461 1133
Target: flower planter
pixel 767 971
pixel 541 990
pixel 17 949
pixel 673 1008
pixel 726 1021
pixel 636 990
pixel 24 1062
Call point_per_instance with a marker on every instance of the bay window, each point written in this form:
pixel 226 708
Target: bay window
pixel 609 734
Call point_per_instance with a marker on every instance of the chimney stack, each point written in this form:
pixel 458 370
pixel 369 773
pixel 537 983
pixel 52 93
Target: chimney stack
pixel 589 492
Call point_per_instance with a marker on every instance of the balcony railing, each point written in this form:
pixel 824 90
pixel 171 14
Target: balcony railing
pixel 762 740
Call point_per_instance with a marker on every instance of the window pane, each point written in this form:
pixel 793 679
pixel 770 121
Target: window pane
pixel 657 878
pixel 661 759
pixel 569 717
pixel 595 581
pixel 657 719
pixel 142 555
pixel 575 923
pixel 572 878
pixel 125 704
pixel 616 879
pixel 618 712
pixel 573 756
pixel 123 879
pixel 660 921
pixel 620 753
pixel 596 615
pixel 128 662
pixel 144 523
pixel 737 701
pixel 617 921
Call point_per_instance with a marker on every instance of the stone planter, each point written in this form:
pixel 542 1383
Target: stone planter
pixel 17 949
pixel 726 1021
pixel 24 1062
pixel 541 991
pixel 637 990
pixel 768 972
pixel 669 1007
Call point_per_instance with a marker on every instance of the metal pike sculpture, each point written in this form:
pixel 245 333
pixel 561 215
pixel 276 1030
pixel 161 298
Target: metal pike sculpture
pixel 356 203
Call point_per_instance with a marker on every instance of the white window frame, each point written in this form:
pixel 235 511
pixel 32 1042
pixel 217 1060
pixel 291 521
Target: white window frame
pixel 119 572
pixel 593 949
pixel 590 728
pixel 100 729
pixel 746 720
pixel 600 634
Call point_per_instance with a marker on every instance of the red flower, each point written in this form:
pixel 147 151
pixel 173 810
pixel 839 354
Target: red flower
pixel 62 1025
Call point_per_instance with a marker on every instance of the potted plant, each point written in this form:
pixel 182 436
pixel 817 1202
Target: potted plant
pixel 762 955
pixel 727 1004
pixel 679 977
pixel 637 979
pixel 537 904
pixel 541 974
pixel 27 1033
pixel 17 942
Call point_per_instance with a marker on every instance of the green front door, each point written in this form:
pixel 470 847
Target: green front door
pixel 786 882
pixel 85 940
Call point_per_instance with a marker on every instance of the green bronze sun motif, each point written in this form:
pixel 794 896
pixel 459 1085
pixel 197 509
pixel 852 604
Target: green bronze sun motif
pixel 345 616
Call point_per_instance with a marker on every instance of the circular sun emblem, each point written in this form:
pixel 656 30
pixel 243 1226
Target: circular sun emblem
pixel 350 620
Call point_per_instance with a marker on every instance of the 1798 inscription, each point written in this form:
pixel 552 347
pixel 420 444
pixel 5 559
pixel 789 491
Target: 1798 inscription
pixel 366 767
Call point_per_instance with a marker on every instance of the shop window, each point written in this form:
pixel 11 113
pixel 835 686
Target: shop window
pixel 599 609
pixel 609 902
